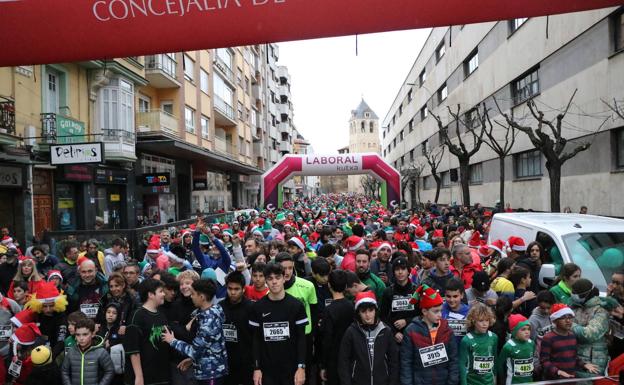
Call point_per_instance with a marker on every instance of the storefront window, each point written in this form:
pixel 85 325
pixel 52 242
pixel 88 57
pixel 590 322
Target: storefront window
pixel 65 207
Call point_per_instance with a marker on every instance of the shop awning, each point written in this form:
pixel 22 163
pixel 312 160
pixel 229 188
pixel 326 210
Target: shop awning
pixel 202 159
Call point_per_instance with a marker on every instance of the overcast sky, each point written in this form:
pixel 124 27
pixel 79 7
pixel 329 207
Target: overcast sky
pixel 329 80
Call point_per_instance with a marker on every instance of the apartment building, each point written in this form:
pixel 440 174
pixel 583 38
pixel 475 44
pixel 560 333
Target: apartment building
pixel 544 58
pixel 306 186
pixel 180 132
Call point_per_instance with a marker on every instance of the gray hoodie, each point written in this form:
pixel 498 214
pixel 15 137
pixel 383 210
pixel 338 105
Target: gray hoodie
pixel 8 308
pixel 540 326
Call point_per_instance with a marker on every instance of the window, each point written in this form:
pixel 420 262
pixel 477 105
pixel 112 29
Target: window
pixel 528 164
pixel 384 153
pixel 423 113
pixel 476 173
pixel 394 142
pixel 401 136
pixel 225 56
pixel 515 24
pixel 241 115
pixel 189 119
pixel 384 134
pixel 439 53
pixel 425 147
pixel 205 127
pixel 189 67
pixel 367 115
pixel 222 90
pixel 526 86
pixel 619 145
pixel 203 81
pixel 410 125
pixel 403 161
pixel 363 127
pixel 409 96
pixel 422 77
pixel 470 119
pixel 618 29
pixel 116 105
pixel 371 127
pixel 442 93
pixel 144 103
pixel 471 63
pixel 411 155
pixel 246 85
pixel 428 182
pixel 401 110
pixel 446 179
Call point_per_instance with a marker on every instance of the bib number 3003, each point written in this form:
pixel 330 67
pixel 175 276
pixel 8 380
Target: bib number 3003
pixel 433 355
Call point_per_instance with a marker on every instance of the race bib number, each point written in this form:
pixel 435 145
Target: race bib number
pixel 523 367
pixel 15 368
pixel 276 331
pixel 401 304
pixel 5 332
pixel 230 333
pixel 483 365
pixel 89 309
pixel 433 355
pixel 458 326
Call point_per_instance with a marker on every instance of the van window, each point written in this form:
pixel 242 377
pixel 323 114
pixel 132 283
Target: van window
pixel 551 251
pixel 598 255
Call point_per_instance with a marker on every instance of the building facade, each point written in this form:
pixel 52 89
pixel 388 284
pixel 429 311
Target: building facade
pixel 544 59
pixel 363 137
pixel 180 132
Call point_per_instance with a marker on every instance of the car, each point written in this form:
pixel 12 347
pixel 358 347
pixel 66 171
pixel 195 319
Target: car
pixel 595 243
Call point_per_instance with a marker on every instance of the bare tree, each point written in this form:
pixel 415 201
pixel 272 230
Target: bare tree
pixel 460 150
pixel 411 174
pixel 502 147
pixel 434 157
pixel 552 145
pixel 615 107
pixel 370 185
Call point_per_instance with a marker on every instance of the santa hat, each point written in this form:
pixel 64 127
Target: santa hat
pixel 497 245
pixel 420 232
pixel 154 245
pixel 384 245
pixel 215 227
pixel 47 292
pixel 365 297
pixel 414 246
pixel 516 322
pixel 298 241
pixel 6 240
pixel 23 317
pixel 559 310
pixel 438 233
pixel 26 334
pixel 354 242
pixel 174 258
pixel 426 297
pixel 475 239
pixel 289 224
pixel 483 251
pixel 516 243
pixel 53 274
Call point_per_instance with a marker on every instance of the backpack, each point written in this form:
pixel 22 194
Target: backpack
pixel 118 357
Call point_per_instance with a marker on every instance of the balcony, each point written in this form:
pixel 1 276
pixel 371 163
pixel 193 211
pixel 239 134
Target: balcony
pixel 257 93
pixel 284 109
pixel 258 149
pixel 272 108
pixel 283 91
pixel 157 122
pixel 273 132
pixel 284 127
pixel 224 147
pixel 285 147
pixel 274 156
pixel 57 128
pixel 7 121
pixel 225 70
pixel 119 145
pixel 160 71
pixel 224 113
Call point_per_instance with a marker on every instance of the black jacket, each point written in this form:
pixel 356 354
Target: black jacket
pixel 7 273
pixel 356 364
pixel 534 269
pixel 395 305
pixel 237 334
pixel 336 319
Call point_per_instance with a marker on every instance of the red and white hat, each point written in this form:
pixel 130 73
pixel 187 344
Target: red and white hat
pixel 438 233
pixel 475 239
pixel 26 334
pixel 364 298
pixel 384 245
pixel 23 317
pixel 6 240
pixel 354 242
pixel 53 274
pixel 154 245
pixel 215 227
pixel 420 232
pixel 516 243
pixel 298 241
pixel 559 310
pixel 47 292
pixel 483 251
pixel 497 245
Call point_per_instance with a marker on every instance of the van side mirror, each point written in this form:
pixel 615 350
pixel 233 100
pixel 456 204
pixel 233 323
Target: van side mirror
pixel 547 275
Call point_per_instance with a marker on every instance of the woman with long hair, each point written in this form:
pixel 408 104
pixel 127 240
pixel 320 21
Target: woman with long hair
pixel 27 272
pixel 570 273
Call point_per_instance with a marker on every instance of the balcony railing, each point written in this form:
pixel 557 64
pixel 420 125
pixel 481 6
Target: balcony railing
pixel 157 121
pixel 224 107
pixel 220 64
pixel 161 62
pixel 7 116
pixel 224 147
pixel 116 135
pixel 48 128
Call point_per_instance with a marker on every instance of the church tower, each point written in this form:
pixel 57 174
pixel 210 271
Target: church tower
pixel 363 137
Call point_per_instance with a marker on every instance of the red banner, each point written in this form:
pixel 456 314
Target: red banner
pixel 47 31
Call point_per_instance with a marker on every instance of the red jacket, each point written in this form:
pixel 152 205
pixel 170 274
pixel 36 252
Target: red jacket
pixel 466 274
pixel 401 237
pixel 33 286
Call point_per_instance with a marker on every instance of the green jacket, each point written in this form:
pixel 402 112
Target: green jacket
pixel 591 324
pixel 477 358
pixel 516 361
pixel 376 285
pixel 561 292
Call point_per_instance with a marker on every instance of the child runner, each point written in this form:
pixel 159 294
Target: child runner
pixel 454 311
pixel 441 273
pixel 516 357
pixel 89 348
pixel 396 309
pixel 558 355
pixel 429 349
pixel 478 349
pixel 258 288
pixel 208 347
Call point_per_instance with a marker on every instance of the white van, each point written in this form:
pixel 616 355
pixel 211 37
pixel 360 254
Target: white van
pixel 594 243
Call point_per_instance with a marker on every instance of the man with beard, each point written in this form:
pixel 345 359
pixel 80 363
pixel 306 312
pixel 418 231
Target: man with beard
pixel 94 254
pixel 362 266
pixel 381 266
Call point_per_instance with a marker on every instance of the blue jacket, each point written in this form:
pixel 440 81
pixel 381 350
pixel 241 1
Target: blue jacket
pixel 206 261
pixel 416 337
pixel 208 348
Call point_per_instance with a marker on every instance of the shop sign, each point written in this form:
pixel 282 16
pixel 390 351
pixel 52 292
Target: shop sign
pixel 10 176
pixel 115 198
pixel 160 179
pixel 77 153
pixel 107 175
pixel 69 130
pixel 199 185
pixel 77 173
pixel 65 203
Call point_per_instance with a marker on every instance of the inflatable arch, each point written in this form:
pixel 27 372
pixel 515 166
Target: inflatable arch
pixel 339 164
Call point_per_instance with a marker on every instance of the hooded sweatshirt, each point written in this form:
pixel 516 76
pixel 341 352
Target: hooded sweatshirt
pixel 540 326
